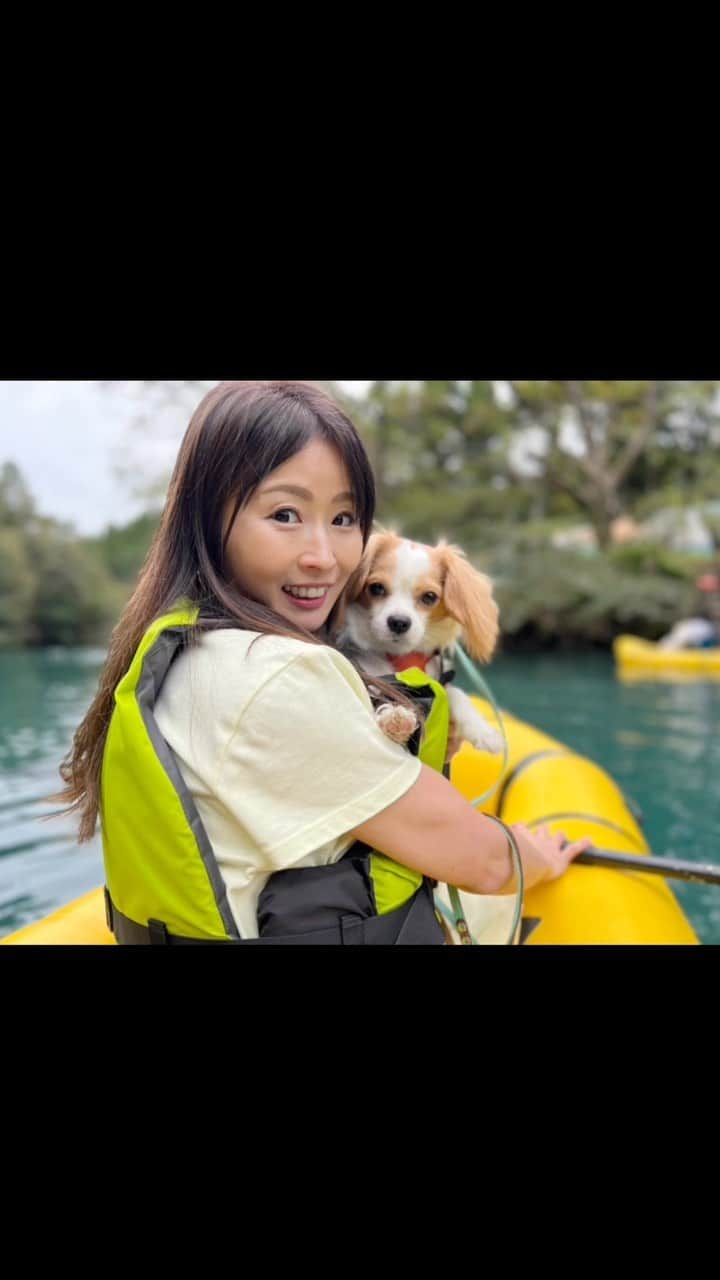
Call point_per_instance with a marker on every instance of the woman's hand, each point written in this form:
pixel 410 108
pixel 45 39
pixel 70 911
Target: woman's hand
pixel 435 830
pixel 545 856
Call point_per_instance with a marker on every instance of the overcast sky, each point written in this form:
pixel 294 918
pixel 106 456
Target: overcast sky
pixel 70 438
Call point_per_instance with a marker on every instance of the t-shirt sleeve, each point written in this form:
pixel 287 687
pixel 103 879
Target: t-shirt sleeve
pixel 306 762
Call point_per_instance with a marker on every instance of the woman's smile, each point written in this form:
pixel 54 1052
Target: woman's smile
pixel 307 597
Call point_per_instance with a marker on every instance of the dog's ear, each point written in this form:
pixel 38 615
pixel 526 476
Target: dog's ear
pixel 468 597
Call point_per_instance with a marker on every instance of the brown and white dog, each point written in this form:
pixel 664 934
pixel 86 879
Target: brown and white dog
pixel 407 605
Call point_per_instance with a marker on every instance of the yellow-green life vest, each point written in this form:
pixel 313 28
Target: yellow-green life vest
pixel 163 881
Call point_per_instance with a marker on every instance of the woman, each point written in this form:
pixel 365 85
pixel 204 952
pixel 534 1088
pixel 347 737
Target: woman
pixel 231 750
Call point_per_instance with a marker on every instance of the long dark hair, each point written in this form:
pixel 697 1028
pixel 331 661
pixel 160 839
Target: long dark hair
pixel 239 433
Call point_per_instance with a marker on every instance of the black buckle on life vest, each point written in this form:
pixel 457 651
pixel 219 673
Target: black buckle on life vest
pixel 158 933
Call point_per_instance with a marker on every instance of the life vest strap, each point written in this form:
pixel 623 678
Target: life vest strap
pixel 408 925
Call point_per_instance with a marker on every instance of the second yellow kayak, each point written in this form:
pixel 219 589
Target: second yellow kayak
pixel 632 654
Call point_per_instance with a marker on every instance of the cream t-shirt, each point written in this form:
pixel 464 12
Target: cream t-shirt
pixel 281 753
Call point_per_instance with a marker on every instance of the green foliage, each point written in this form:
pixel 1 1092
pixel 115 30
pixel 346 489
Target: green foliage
pixel 71 597
pixel 56 588
pixel 123 549
pixel 713 526
pixel 648 558
pixel 438 451
pixel 606 444
pixel 561 597
pixel 16 505
pixel 451 461
pixel 16 588
pixel 658 499
pixel 528 534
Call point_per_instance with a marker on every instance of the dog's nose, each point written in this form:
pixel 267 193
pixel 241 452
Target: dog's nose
pixel 399 626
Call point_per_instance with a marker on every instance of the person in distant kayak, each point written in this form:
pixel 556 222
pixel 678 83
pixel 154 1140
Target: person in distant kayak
pixel 244 786
pixel 690 633
pixel 708 586
pixel 702 631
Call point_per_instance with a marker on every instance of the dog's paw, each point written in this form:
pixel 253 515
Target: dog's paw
pixel 491 740
pixel 483 737
pixel 396 722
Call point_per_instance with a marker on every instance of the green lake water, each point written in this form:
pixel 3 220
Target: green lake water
pixel 659 742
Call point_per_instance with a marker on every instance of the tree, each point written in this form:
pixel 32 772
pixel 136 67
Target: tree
pixel 438 453
pixel 17 506
pixel 54 589
pixel 72 596
pixel 16 588
pixel 122 550
pixel 599 438
pixel 164 410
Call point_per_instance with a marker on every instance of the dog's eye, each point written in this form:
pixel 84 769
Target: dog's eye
pixel 430 598
pixel 376 589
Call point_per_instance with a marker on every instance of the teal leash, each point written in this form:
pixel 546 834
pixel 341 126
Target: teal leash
pixel 474 676
pixel 480 686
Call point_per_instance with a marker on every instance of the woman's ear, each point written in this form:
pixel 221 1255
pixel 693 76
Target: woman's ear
pixel 468 597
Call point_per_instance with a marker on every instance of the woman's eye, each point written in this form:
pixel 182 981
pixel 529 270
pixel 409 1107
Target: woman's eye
pixel 376 589
pixel 430 598
pixel 346 515
pixel 285 511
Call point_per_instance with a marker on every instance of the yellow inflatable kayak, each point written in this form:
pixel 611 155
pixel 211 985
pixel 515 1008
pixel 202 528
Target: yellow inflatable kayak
pixel 633 655
pixel 543 782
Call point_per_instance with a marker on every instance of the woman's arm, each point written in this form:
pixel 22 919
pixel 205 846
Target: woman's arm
pixel 434 830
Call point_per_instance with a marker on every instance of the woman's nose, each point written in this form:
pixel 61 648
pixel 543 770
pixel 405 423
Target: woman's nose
pixel 318 549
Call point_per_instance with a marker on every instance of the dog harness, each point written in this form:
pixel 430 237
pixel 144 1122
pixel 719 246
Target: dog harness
pixel 164 885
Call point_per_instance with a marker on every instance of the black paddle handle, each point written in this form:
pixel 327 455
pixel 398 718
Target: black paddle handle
pixel 671 868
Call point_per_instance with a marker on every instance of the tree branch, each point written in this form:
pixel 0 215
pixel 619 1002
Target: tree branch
pixel 575 393
pixel 639 439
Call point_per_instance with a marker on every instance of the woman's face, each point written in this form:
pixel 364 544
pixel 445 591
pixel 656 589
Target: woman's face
pixel 294 545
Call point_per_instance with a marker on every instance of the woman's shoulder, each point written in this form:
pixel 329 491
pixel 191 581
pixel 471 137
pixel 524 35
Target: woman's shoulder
pixel 267 655
pixel 223 670
pixel 231 675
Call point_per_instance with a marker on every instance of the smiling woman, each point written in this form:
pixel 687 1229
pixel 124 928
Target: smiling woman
pixel 232 750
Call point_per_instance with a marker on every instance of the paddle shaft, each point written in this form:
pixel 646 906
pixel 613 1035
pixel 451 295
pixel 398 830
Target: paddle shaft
pixel 671 868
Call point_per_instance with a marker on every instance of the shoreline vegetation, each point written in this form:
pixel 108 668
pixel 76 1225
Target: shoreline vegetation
pixel 62 589
pixel 594 507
